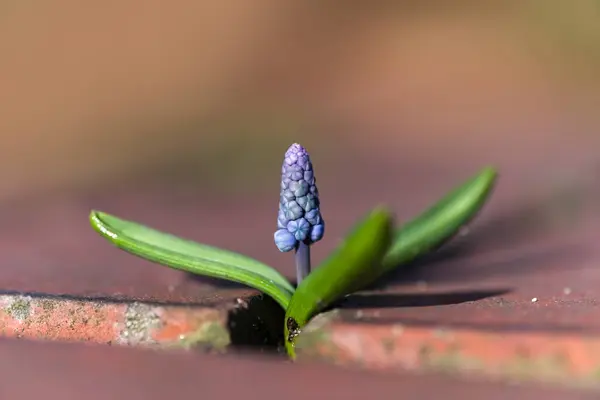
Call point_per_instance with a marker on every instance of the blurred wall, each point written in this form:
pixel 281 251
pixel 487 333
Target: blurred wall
pixel 94 92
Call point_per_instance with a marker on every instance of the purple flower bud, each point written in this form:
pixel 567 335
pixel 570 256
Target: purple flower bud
pixel 284 240
pixel 317 232
pixel 299 218
pixel 313 216
pixel 300 228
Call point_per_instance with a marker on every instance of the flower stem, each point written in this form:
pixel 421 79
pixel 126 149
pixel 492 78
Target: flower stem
pixel 302 261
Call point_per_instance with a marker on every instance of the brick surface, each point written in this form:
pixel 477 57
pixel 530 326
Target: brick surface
pixel 61 371
pixel 101 321
pixel 560 358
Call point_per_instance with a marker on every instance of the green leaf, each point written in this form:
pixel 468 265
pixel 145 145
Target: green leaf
pixel 442 221
pixel 186 255
pixel 356 262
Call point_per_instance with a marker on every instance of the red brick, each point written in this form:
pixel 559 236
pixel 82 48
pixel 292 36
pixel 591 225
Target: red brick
pixel 97 321
pixel 564 358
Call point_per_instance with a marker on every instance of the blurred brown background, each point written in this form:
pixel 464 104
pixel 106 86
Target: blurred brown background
pixel 216 90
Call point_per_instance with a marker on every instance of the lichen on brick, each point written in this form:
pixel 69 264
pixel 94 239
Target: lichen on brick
pixel 320 321
pixel 212 335
pixel 47 304
pixel 544 367
pixel 451 360
pixel 19 307
pixel 312 342
pixel 140 320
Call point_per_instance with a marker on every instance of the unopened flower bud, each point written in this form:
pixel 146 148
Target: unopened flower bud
pixel 299 218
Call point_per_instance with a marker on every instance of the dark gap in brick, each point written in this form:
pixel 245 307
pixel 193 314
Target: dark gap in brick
pixel 256 324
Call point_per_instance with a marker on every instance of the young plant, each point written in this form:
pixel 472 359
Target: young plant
pixel 373 248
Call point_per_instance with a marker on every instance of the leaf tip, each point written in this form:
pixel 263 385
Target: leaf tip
pixel 486 179
pixel 382 213
pixel 99 226
pixel 490 172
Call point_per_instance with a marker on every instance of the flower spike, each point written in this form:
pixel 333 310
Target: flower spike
pixel 299 220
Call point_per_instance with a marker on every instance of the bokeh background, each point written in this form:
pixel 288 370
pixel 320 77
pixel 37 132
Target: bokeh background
pixel 96 92
pixel 396 101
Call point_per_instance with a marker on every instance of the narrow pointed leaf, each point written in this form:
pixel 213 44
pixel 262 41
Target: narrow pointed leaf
pixel 355 263
pixel 442 221
pixel 186 255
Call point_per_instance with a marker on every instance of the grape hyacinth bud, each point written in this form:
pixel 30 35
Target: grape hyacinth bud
pixel 299 221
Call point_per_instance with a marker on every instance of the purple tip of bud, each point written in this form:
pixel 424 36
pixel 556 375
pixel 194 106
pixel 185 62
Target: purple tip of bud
pixel 299 218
